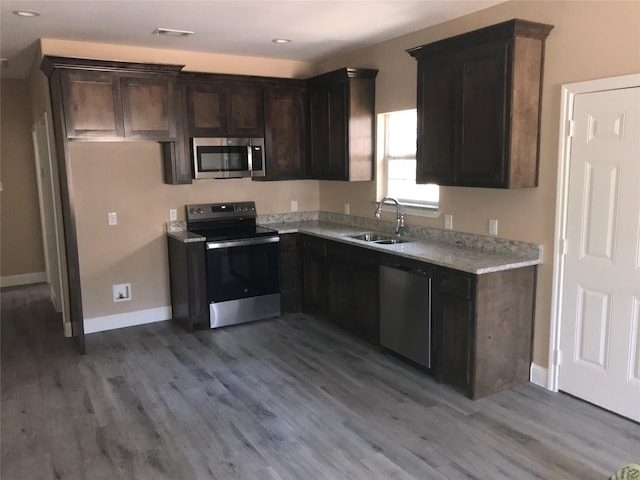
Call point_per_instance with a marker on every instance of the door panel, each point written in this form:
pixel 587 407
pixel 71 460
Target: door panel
pixel 601 286
pixel 593 326
pixel 602 185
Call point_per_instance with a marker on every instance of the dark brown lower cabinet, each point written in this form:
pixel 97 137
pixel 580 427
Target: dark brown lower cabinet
pixel 315 298
pixel 188 284
pixel 482 324
pixel 354 290
pixel 483 328
pixel 340 283
pixel 290 273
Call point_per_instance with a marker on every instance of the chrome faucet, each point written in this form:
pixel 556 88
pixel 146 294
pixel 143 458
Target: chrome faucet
pixel 399 214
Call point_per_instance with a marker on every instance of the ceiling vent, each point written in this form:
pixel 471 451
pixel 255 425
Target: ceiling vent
pixel 170 32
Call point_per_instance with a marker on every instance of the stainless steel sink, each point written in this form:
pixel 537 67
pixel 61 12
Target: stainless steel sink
pixel 377 238
pixel 369 237
pixel 391 241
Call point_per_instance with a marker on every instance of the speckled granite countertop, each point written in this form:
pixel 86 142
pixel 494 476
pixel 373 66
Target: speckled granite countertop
pixel 186 236
pixel 466 259
pixel 469 253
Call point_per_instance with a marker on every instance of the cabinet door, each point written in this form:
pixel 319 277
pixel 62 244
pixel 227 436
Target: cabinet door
pixel 187 277
pixel 454 323
pixel 245 111
pixel 289 273
pixel 337 167
pixel 354 290
pixel 436 121
pixel 320 138
pixel 484 119
pixel 315 275
pixel 284 133
pixel 92 105
pixel 328 131
pixel 198 305
pixel 149 107
pixel 206 110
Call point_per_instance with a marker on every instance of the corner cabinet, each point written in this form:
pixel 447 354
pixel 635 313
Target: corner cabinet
pixel 342 124
pixel 478 101
pixel 483 329
pixel 284 132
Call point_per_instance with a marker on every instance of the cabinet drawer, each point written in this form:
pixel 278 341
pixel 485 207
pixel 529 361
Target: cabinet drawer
pixel 455 284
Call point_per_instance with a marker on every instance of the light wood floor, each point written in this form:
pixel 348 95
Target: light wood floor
pixel 290 398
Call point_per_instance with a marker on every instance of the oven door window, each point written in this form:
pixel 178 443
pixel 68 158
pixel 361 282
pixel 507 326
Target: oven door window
pixel 223 158
pixel 241 272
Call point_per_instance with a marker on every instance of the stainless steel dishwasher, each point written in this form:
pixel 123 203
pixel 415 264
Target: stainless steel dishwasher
pixel 405 309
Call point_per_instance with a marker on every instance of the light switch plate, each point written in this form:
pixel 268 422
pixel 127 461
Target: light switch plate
pixel 294 205
pixel 112 218
pixel 173 214
pixel 347 208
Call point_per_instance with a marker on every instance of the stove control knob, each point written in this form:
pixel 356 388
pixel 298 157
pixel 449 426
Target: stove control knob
pixel 200 211
pixel 192 211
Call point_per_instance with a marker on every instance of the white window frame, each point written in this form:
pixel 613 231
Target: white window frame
pixel 424 209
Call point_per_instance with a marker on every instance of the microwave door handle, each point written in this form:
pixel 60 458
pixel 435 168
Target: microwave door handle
pixel 250 158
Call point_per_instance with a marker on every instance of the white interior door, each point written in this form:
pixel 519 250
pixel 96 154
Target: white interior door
pixel 600 331
pixel 48 212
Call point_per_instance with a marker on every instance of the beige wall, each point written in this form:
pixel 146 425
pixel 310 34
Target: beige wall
pixel 192 61
pixel 590 40
pixel 21 249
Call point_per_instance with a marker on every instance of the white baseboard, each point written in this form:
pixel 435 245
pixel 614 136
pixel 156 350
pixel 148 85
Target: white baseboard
pixel 23 279
pixel 130 319
pixel 539 375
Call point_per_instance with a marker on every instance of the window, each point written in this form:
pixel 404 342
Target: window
pixel 399 163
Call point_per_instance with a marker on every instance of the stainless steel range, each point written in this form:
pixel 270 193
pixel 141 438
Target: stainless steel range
pixel 243 262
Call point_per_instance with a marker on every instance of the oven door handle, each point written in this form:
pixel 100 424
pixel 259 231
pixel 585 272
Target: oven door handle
pixel 242 243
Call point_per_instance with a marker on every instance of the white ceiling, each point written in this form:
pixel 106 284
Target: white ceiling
pixel 318 28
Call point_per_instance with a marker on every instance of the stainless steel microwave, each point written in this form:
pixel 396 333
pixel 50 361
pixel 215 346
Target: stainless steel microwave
pixel 228 157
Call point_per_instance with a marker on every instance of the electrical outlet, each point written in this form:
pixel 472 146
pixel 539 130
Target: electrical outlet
pixel 347 209
pixel 493 227
pixel 122 292
pixel 448 222
pixel 112 218
pixel 294 205
pixel 173 214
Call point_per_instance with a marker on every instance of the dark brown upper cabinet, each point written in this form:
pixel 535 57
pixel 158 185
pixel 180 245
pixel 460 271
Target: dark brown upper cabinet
pixel 149 107
pixel 478 102
pixel 105 100
pixel 225 110
pixel 342 124
pixel 284 132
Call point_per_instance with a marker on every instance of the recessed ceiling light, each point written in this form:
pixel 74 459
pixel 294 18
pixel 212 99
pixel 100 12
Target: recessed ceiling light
pixel 281 40
pixel 171 32
pixel 26 13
